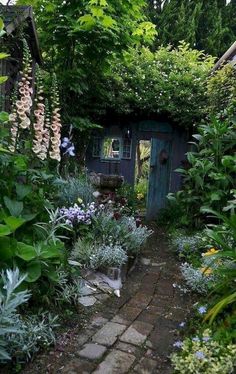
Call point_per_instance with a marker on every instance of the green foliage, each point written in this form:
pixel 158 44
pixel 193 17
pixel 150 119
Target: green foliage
pixel 224 238
pixel 210 176
pixel 10 299
pixel 204 354
pixel 206 25
pixel 222 91
pixel 168 81
pixel 80 41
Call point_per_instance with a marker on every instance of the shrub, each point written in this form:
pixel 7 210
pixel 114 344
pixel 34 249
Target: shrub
pixel 203 354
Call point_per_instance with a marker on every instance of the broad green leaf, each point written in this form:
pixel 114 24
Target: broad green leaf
pixel 87 22
pixel 7 248
pixel 4 116
pixel 14 222
pixel 26 252
pixel 52 250
pixel 22 190
pixel 4 230
pixel 34 271
pixel 15 207
pixel 3 79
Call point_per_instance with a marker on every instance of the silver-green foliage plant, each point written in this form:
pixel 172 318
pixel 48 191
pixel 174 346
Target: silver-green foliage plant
pixel 20 337
pixel 123 232
pixel 136 235
pixel 186 244
pixel 108 255
pixel 196 279
pixel 74 188
pixel 37 331
pixel 203 354
pixel 10 300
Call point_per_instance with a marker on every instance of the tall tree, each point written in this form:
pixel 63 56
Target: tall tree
pixel 80 40
pixel 208 25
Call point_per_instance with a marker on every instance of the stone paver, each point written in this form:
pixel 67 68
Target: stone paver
pixel 134 333
pixel 140 300
pixel 77 367
pixel 116 362
pixel 137 333
pixel 92 351
pixel 146 366
pixel 108 334
pixel 127 315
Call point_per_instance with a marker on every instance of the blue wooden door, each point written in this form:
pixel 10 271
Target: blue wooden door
pixel 159 176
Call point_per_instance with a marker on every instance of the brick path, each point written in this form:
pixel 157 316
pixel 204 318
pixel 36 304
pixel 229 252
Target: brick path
pixel 133 334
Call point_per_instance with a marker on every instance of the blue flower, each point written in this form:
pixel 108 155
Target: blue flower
pixel 202 309
pixel 182 324
pixel 200 355
pixel 178 344
pixel 206 338
pixel 196 339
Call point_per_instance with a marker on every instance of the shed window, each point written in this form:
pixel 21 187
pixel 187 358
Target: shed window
pixel 111 148
pixel 126 148
pixel 96 147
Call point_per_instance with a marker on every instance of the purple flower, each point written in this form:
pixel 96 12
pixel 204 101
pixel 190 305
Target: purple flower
pixel 200 355
pixel 202 309
pixel 196 339
pixel 178 344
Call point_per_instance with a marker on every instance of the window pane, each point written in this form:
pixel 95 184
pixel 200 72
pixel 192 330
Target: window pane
pixel 111 148
pixel 127 148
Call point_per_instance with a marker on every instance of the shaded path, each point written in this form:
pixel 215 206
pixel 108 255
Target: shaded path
pixel 133 334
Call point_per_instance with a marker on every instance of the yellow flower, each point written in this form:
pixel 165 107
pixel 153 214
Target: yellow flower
pixel 140 196
pixel 79 200
pixel 210 252
pixel 206 271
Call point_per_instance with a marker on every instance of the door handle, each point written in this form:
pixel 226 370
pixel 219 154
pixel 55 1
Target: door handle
pixel 163 157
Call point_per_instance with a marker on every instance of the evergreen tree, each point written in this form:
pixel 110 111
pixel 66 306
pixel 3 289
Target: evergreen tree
pixel 207 25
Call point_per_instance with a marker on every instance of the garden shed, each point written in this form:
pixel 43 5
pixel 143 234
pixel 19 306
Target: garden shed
pixel 113 152
pixel 19 23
